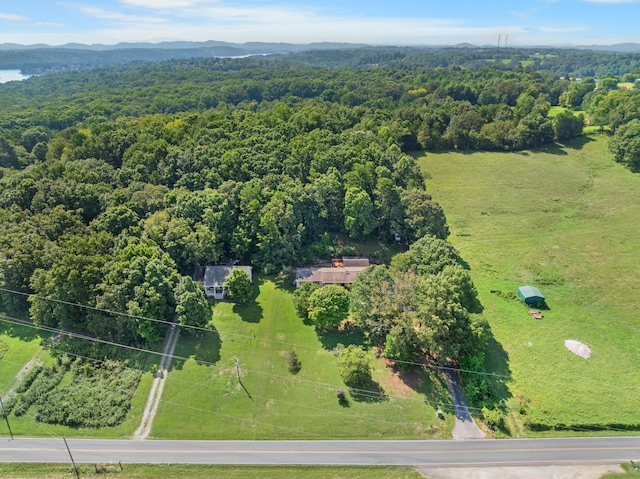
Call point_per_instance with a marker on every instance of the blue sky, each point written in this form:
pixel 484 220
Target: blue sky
pixel 390 22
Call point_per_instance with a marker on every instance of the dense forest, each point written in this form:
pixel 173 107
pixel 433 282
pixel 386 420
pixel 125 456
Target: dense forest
pixel 117 181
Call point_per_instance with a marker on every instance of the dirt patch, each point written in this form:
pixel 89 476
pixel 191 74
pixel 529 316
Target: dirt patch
pixel 403 382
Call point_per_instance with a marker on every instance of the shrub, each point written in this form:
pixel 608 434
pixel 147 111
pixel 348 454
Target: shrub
pixel 293 363
pixel 354 368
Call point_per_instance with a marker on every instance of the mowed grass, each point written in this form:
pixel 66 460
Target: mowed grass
pixel 24 346
pixel 204 399
pixel 187 471
pixel 567 220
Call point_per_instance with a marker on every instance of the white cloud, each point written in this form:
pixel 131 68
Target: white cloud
pixel 166 4
pixel 49 24
pixel 10 17
pixel 109 15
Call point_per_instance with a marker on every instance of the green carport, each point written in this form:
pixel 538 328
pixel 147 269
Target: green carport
pixel 530 295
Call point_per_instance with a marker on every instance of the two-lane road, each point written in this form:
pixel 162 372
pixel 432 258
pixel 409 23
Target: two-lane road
pixel 445 453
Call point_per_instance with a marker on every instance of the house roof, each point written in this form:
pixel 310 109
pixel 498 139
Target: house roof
pixel 357 262
pixel 215 275
pixel 344 275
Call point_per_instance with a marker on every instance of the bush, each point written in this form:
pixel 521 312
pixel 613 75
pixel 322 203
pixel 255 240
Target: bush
pixel 354 368
pixel 493 417
pixel 293 363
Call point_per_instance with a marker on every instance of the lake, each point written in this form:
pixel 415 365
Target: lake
pixel 12 75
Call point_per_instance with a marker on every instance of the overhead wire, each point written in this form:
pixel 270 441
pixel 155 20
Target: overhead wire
pixel 205 329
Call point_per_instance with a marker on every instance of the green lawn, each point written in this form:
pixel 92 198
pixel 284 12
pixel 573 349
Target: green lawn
pixel 182 471
pixel 567 220
pixel 203 398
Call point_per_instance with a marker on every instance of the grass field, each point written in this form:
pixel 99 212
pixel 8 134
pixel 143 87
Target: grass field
pixel 182 471
pixel 567 220
pixel 203 398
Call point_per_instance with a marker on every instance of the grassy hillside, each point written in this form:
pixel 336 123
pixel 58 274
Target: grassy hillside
pixel 567 220
pixel 206 401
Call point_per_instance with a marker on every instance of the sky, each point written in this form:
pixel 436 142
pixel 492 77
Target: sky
pixel 388 22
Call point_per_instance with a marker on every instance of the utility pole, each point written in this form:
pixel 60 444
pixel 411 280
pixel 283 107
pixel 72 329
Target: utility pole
pixel 237 368
pixel 6 418
pixel 72 461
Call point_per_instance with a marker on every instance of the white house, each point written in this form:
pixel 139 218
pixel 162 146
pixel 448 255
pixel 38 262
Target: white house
pixel 214 277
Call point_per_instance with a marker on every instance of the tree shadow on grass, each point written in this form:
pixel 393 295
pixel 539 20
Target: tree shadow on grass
pixel 26 332
pixel 202 346
pixel 250 311
pixel 552 149
pixel 370 392
pixel 331 339
pixel 426 380
pixel 577 143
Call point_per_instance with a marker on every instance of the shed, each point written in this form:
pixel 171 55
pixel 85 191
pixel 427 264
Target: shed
pixel 530 295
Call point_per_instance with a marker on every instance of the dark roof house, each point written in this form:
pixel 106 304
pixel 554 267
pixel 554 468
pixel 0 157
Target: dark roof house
pixel 214 277
pixel 530 295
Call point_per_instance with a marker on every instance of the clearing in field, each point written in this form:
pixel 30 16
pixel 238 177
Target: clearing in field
pixel 566 219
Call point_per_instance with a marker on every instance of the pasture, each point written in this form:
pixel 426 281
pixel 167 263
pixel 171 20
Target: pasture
pixel 567 220
pixel 206 397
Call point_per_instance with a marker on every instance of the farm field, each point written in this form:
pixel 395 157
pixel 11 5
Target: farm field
pixel 203 398
pixel 564 219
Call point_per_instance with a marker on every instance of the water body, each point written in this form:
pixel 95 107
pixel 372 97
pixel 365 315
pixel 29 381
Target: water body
pixel 12 75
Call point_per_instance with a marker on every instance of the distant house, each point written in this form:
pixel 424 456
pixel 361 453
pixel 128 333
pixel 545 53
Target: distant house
pixel 530 295
pixel 343 272
pixel 214 277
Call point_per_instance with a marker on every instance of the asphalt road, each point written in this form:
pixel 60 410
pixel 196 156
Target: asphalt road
pixel 445 453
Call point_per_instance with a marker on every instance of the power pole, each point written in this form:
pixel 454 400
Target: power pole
pixel 499 36
pixel 6 418
pixel 237 368
pixel 72 461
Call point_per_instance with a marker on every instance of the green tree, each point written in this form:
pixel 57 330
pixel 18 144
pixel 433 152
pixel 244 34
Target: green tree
pixel 238 285
pixel 301 298
pixel 354 367
pixel 192 308
pixel 359 219
pixel 567 125
pixel 625 145
pixel 328 306
pixel 423 216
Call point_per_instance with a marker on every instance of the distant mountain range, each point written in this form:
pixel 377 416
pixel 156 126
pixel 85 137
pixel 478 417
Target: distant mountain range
pixel 256 48
pixel 262 48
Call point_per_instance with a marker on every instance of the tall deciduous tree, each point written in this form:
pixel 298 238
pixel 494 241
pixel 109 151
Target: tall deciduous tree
pixel 238 286
pixel 625 145
pixel 328 306
pixel 359 219
pixel 192 308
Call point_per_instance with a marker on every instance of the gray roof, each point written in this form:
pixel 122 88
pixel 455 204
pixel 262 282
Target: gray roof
pixel 345 275
pixel 215 275
pixel 355 262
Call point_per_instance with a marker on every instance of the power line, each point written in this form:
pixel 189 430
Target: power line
pixel 200 328
pixel 363 392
